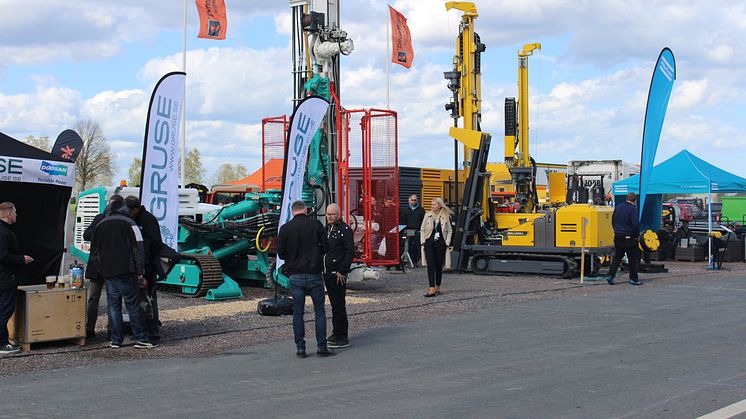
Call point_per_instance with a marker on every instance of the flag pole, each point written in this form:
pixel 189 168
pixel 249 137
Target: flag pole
pixel 388 59
pixel 182 160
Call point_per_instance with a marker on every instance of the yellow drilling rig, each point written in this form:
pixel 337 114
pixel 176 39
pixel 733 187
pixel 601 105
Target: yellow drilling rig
pixel 554 241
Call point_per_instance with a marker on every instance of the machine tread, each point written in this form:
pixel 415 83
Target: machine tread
pixel 211 274
pixel 571 266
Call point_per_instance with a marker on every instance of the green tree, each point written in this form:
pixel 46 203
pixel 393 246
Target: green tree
pixel 227 172
pixel 41 143
pixel 195 172
pixel 95 163
pixel 134 173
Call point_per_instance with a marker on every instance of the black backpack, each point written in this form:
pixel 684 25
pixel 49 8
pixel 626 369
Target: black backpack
pixel 165 261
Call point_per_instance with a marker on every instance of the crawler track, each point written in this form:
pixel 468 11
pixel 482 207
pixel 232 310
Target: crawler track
pixel 211 275
pixel 524 263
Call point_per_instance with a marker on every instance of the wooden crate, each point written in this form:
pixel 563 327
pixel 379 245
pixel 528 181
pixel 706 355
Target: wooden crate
pixel 691 254
pixel 44 315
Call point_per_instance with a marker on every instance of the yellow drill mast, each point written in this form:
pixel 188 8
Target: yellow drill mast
pixel 465 84
pixel 519 162
pixel 465 79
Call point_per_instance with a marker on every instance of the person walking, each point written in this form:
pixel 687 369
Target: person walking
pixel 435 237
pixel 626 223
pixel 412 216
pixel 118 245
pixel 95 280
pixel 153 243
pixel 301 244
pixel 337 263
pixel 11 262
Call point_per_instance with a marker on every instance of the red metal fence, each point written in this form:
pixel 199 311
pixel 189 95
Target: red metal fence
pixel 274 133
pixel 371 206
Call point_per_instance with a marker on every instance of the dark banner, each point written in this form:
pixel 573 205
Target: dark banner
pixel 68 145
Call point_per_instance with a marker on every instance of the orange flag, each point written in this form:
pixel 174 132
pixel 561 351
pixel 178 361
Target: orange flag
pixel 213 22
pixel 401 40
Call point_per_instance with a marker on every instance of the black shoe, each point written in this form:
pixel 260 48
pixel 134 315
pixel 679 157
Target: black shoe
pixel 610 280
pixel 9 349
pixel 155 339
pixel 301 353
pixel 324 352
pixel 635 282
pixel 145 345
pixel 337 343
pixel 90 334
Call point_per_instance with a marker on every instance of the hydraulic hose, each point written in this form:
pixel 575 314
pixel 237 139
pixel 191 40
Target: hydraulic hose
pixel 258 246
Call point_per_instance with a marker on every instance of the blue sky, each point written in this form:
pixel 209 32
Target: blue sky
pixel 100 59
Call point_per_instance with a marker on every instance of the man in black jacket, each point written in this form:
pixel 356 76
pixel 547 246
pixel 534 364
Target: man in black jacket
pixel 95 280
pixel 412 216
pixel 626 223
pixel 337 263
pixel 11 262
pixel 301 244
pixel 152 241
pixel 118 245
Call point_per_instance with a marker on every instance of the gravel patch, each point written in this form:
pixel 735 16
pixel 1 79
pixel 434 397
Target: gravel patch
pixel 196 328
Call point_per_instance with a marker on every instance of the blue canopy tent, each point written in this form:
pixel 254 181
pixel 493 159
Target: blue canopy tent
pixel 683 173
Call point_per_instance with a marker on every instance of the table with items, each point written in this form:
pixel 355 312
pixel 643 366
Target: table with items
pixel 46 313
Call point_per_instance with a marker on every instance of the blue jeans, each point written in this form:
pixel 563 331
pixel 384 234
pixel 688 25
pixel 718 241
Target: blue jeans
pixel 118 288
pixel 313 285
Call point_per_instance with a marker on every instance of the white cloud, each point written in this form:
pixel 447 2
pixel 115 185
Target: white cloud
pixel 46 111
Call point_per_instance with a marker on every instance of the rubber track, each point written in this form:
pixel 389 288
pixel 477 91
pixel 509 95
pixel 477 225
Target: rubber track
pixel 211 274
pixel 571 266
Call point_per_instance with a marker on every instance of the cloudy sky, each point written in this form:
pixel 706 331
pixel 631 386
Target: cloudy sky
pixel 61 61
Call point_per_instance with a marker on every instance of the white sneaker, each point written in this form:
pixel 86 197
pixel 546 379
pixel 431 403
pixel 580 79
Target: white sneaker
pixel 145 345
pixel 9 349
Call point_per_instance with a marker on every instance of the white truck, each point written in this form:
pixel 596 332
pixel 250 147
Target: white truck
pixel 91 202
pixel 595 173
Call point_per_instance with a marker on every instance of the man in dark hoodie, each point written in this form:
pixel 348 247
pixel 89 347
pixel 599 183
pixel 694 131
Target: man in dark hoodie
pixel 118 245
pixel 95 280
pixel 153 243
pixel 337 263
pixel 11 262
pixel 301 244
pixel 626 223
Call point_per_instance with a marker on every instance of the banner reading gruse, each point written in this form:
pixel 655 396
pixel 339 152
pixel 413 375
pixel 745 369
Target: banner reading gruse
pixel 159 192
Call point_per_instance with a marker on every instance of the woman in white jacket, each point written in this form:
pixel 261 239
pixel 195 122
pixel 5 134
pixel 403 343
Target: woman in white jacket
pixel 435 236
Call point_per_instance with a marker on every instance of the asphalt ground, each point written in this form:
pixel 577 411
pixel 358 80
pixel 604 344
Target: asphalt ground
pixel 489 347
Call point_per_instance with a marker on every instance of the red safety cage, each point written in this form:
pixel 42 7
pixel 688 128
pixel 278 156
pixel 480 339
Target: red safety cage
pixel 369 181
pixel 274 134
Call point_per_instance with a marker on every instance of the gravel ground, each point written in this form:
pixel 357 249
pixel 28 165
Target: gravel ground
pixel 196 327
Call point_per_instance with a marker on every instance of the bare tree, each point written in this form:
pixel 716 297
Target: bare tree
pixel 95 164
pixel 41 143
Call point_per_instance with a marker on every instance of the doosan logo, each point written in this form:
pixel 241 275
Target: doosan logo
pixel 53 169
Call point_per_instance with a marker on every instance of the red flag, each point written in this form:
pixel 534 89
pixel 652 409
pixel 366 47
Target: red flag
pixel 401 40
pixel 213 23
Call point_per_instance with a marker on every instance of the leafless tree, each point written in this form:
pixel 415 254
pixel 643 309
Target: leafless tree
pixel 95 164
